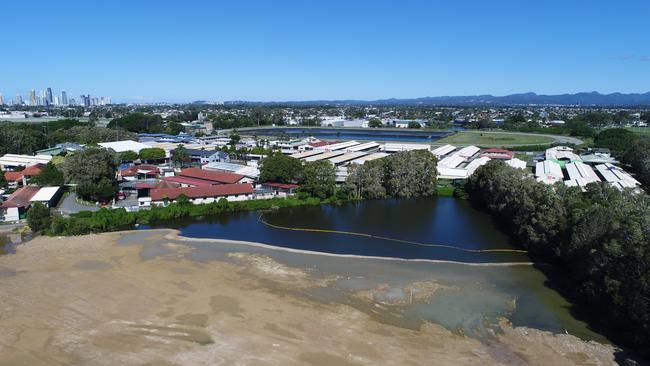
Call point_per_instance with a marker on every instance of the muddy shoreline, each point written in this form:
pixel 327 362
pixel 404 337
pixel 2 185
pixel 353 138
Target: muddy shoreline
pixel 140 298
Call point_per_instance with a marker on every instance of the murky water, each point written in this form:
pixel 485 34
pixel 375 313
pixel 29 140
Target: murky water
pixel 463 298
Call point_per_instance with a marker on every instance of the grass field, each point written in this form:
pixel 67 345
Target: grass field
pixel 640 130
pixel 494 139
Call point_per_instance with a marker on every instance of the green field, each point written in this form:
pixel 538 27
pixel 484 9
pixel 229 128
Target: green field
pixel 640 130
pixel 494 139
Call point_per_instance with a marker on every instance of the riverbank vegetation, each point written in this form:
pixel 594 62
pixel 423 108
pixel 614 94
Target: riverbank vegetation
pixel 600 238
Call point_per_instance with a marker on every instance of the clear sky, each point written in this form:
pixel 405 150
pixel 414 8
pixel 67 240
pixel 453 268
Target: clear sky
pixel 140 50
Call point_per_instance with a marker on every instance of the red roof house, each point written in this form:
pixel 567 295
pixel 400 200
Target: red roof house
pixel 212 176
pixel 21 177
pixel 206 192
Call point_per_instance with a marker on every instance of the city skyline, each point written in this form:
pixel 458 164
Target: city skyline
pixel 47 97
pixel 292 50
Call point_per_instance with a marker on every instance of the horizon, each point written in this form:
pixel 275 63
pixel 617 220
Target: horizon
pixel 291 51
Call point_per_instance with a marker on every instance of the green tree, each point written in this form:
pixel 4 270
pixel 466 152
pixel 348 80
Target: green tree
pixel 128 156
pixel 3 180
pixel 618 140
pixel 367 180
pixel 92 170
pixel 180 155
pixel 174 128
pixel 414 125
pixel 50 176
pixel 411 174
pixel 39 217
pixel 280 168
pixel 375 123
pixel 138 123
pixel 152 154
pixel 319 179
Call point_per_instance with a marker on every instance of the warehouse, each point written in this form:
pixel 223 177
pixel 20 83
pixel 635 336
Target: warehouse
pixel 13 161
pixel 616 176
pixel 441 151
pixel 392 147
pixel 346 158
pixel 548 172
pixel 323 156
pixel 580 174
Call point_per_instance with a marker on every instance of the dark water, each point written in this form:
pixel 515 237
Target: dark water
pixel 481 294
pixel 426 222
pixel 364 134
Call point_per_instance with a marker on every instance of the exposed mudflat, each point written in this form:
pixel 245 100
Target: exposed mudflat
pixel 97 300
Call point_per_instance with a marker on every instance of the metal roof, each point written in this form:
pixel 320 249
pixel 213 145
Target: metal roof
pixel 364 146
pixel 443 150
pixel 374 156
pixel 347 157
pixel 323 156
pixel 304 154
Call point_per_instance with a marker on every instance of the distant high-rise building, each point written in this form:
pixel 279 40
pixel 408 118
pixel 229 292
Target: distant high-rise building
pixel 43 98
pixel 2 101
pixel 19 99
pixel 49 96
pixel 57 100
pixel 86 100
pixel 64 98
pixel 32 97
pixel 73 101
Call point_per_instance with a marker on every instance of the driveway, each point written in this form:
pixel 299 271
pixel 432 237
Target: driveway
pixel 69 205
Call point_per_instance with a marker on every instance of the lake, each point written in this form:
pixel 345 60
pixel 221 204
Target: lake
pixel 364 134
pixel 471 299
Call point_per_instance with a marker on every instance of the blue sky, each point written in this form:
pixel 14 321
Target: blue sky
pixel 305 50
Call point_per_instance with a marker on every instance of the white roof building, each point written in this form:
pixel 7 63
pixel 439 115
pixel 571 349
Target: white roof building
pixel 580 174
pixel 548 171
pixel 14 160
pixel 364 147
pixel 374 156
pixel 341 145
pixel 441 151
pixel 475 164
pixel 451 161
pixel 468 151
pixel 245 170
pixel 561 153
pixel 323 156
pixel 391 147
pixel 307 153
pixel 342 159
pixel 617 176
pixel 516 163
pixel 122 146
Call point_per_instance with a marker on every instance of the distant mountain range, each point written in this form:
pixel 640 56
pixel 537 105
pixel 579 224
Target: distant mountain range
pixel 577 99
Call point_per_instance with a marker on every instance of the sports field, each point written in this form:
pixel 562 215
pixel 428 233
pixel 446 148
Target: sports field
pixel 495 139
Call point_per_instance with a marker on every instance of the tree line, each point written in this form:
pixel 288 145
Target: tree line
pixel 600 238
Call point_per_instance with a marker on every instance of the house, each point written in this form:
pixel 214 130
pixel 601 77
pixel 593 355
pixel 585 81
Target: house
pixel 200 195
pixel 499 154
pixel 144 190
pixel 13 161
pixel 197 177
pixel 280 189
pixel 15 207
pixel 206 156
pixel 21 178
pixel 48 196
pixel 136 172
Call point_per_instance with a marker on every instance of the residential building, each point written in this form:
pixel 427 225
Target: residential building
pixel 200 195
